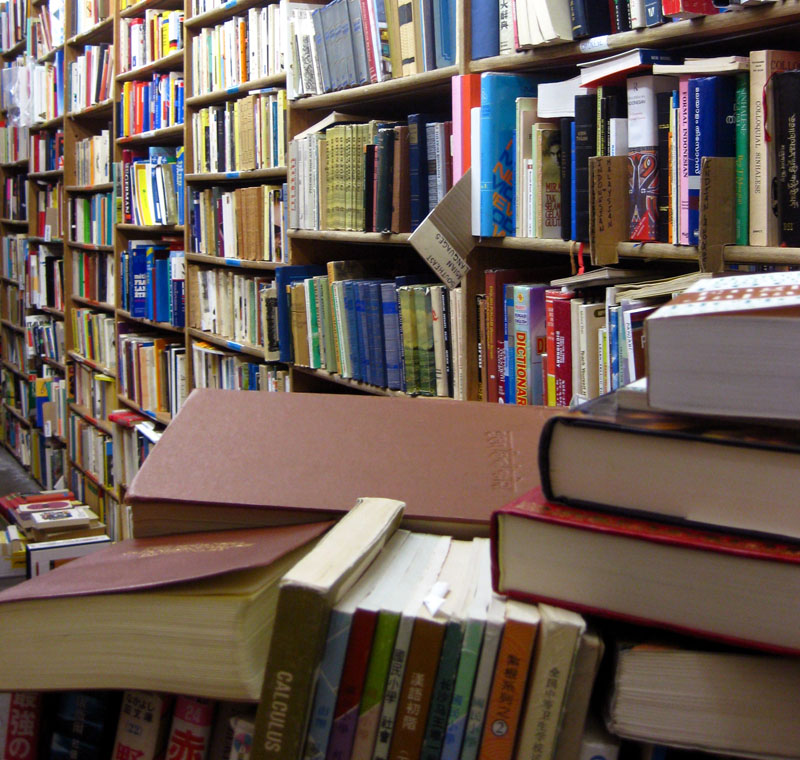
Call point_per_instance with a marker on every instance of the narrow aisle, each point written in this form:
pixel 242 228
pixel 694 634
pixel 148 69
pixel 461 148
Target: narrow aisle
pixel 13 476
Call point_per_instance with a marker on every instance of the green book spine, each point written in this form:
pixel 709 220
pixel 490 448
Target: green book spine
pixel 313 323
pixel 462 692
pixel 742 158
pixel 424 322
pixel 405 298
pixel 442 698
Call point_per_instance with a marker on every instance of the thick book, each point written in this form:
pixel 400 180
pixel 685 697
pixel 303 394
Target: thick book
pixel 786 102
pixel 588 455
pixel 498 175
pixel 165 613
pixel 708 583
pixel 308 592
pixel 589 19
pixel 697 344
pixel 485 29
pixel 585 147
pixel 669 691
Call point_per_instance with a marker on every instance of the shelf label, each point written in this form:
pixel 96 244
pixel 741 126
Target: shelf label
pixel 233 262
pixel 594 44
pixel 230 4
pixel 48 233
pixel 235 346
pixel 233 90
pixel 232 175
pixel 48 429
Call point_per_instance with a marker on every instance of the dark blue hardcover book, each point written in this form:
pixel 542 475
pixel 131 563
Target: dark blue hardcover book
pixel 284 276
pixel 572 181
pixel 712 132
pixel 376 336
pixel 124 276
pixel 180 185
pixel 585 148
pixel 177 288
pixel 444 33
pixel 162 286
pixel 565 171
pixel 364 342
pixel 353 327
pixel 137 265
pixel 485 25
pixel 418 167
pixel 510 385
pixel 180 105
pixel 653 12
pixel 393 340
pixel 147 107
pixel 590 18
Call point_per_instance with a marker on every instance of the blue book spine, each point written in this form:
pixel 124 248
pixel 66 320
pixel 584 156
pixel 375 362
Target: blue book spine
pixel 509 385
pixel 613 345
pixel 138 279
pixel 352 328
pixel 485 17
pixel 162 289
pixel 284 276
pixel 377 341
pixel 180 184
pixel 653 14
pixel 392 338
pixel 444 32
pixel 499 93
pixel 124 276
pixel 712 132
pixel 364 347
pixel 572 183
pixel 179 103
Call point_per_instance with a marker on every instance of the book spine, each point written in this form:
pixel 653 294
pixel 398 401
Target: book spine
pixel 683 153
pixel 585 147
pixel 562 329
pixel 742 158
pixel 418 168
pixel 567 158
pixel 653 13
pixel 663 110
pixel 787 105
pixel 485 26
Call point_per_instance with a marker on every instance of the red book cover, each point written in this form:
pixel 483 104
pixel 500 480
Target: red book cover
pixel 351 684
pixel 20 716
pixel 688 8
pixel 551 296
pixel 654 573
pixel 562 348
pixel 369 36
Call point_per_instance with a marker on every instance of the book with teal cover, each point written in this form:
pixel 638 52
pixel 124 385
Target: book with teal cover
pixel 742 114
pixel 499 93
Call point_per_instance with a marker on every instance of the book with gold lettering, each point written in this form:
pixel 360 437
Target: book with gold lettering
pixel 187 614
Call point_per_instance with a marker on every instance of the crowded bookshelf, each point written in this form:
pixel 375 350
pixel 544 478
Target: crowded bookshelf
pixel 436 201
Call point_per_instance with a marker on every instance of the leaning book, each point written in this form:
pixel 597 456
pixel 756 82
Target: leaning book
pixel 190 614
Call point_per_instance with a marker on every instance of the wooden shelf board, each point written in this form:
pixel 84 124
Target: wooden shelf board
pixel 91 247
pixel 351 236
pixel 171 62
pixel 98 32
pixel 53 363
pixel 226 11
pixel 51 174
pixel 746 254
pixel 658 251
pixel 82 411
pixel 52 311
pixel 392 88
pixel 220 96
pixel 13 50
pixel 75 356
pixel 17 413
pixel 16 370
pixel 49 56
pixel 217 177
pixel 219 261
pixel 15 222
pixel 138 9
pixel 336 378
pixel 98 188
pixel 41 241
pixel 56 121
pixel 22 163
pixel 223 342
pixel 163 417
pixel 171 135
pixel 142 321
pixel 98 110
pixel 108 489
pixel 541 245
pixel 11 326
pixel 155 229
pixel 92 303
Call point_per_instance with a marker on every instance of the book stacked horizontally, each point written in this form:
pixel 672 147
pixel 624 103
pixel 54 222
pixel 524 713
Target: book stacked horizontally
pixel 673 504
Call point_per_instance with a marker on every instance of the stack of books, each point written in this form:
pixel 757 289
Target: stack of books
pixel 671 504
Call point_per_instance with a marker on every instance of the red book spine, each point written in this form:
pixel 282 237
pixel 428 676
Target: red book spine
pixel 562 347
pixel 369 32
pixel 22 726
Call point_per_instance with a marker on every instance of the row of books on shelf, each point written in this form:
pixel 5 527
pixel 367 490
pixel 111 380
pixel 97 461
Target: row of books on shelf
pixel 242 135
pixel 95 392
pixel 13 23
pixel 240 50
pixel 149 105
pixel 133 437
pixel 93 276
pixel 13 143
pixel 11 305
pixel 152 276
pixel 93 336
pixel 15 198
pixel 36 90
pixel 14 256
pixel 46 152
pixel 153 186
pixel 230 304
pixel 219 368
pixel 87 15
pixel 93 165
pixel 144 40
pixel 248 223
pixel 46 336
pixel 91 218
pixel 375 176
pixel 16 354
pixel 91 76
pixel 91 449
pixel 46 30
pixel 45 277
pixel 152 371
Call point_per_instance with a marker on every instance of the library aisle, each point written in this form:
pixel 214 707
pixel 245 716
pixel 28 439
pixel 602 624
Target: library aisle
pixel 13 476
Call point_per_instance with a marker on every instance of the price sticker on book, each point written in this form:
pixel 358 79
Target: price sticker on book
pixel 594 44
pixel 48 233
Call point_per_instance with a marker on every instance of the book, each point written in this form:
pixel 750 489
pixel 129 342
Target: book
pixel 211 592
pixel 237 486
pixel 713 584
pixel 308 592
pixel 614 69
pixel 20 721
pixel 759 690
pixel 498 175
pixel 723 471
pixel 784 85
pixel 712 321
pixel 192 719
pixel 143 724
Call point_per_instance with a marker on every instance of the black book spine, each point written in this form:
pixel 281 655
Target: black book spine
pixel 566 175
pixel 786 95
pixel 221 165
pixel 385 150
pixel 585 147
pixel 663 107
pixel 369 186
pixel 622 15
pixel 577 13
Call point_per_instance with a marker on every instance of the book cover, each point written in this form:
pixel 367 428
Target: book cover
pixel 192 719
pixel 284 277
pixel 784 89
pixel 585 143
pixel 499 92
pixel 485 29
pixel 700 567
pixel 143 724
pixel 742 158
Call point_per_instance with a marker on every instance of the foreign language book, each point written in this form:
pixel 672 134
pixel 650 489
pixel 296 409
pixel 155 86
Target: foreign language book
pixel 187 614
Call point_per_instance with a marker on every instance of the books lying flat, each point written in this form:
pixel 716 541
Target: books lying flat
pixel 727 346
pixel 190 614
pixel 727 702
pixel 707 471
pixel 230 460
pixel 717 585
